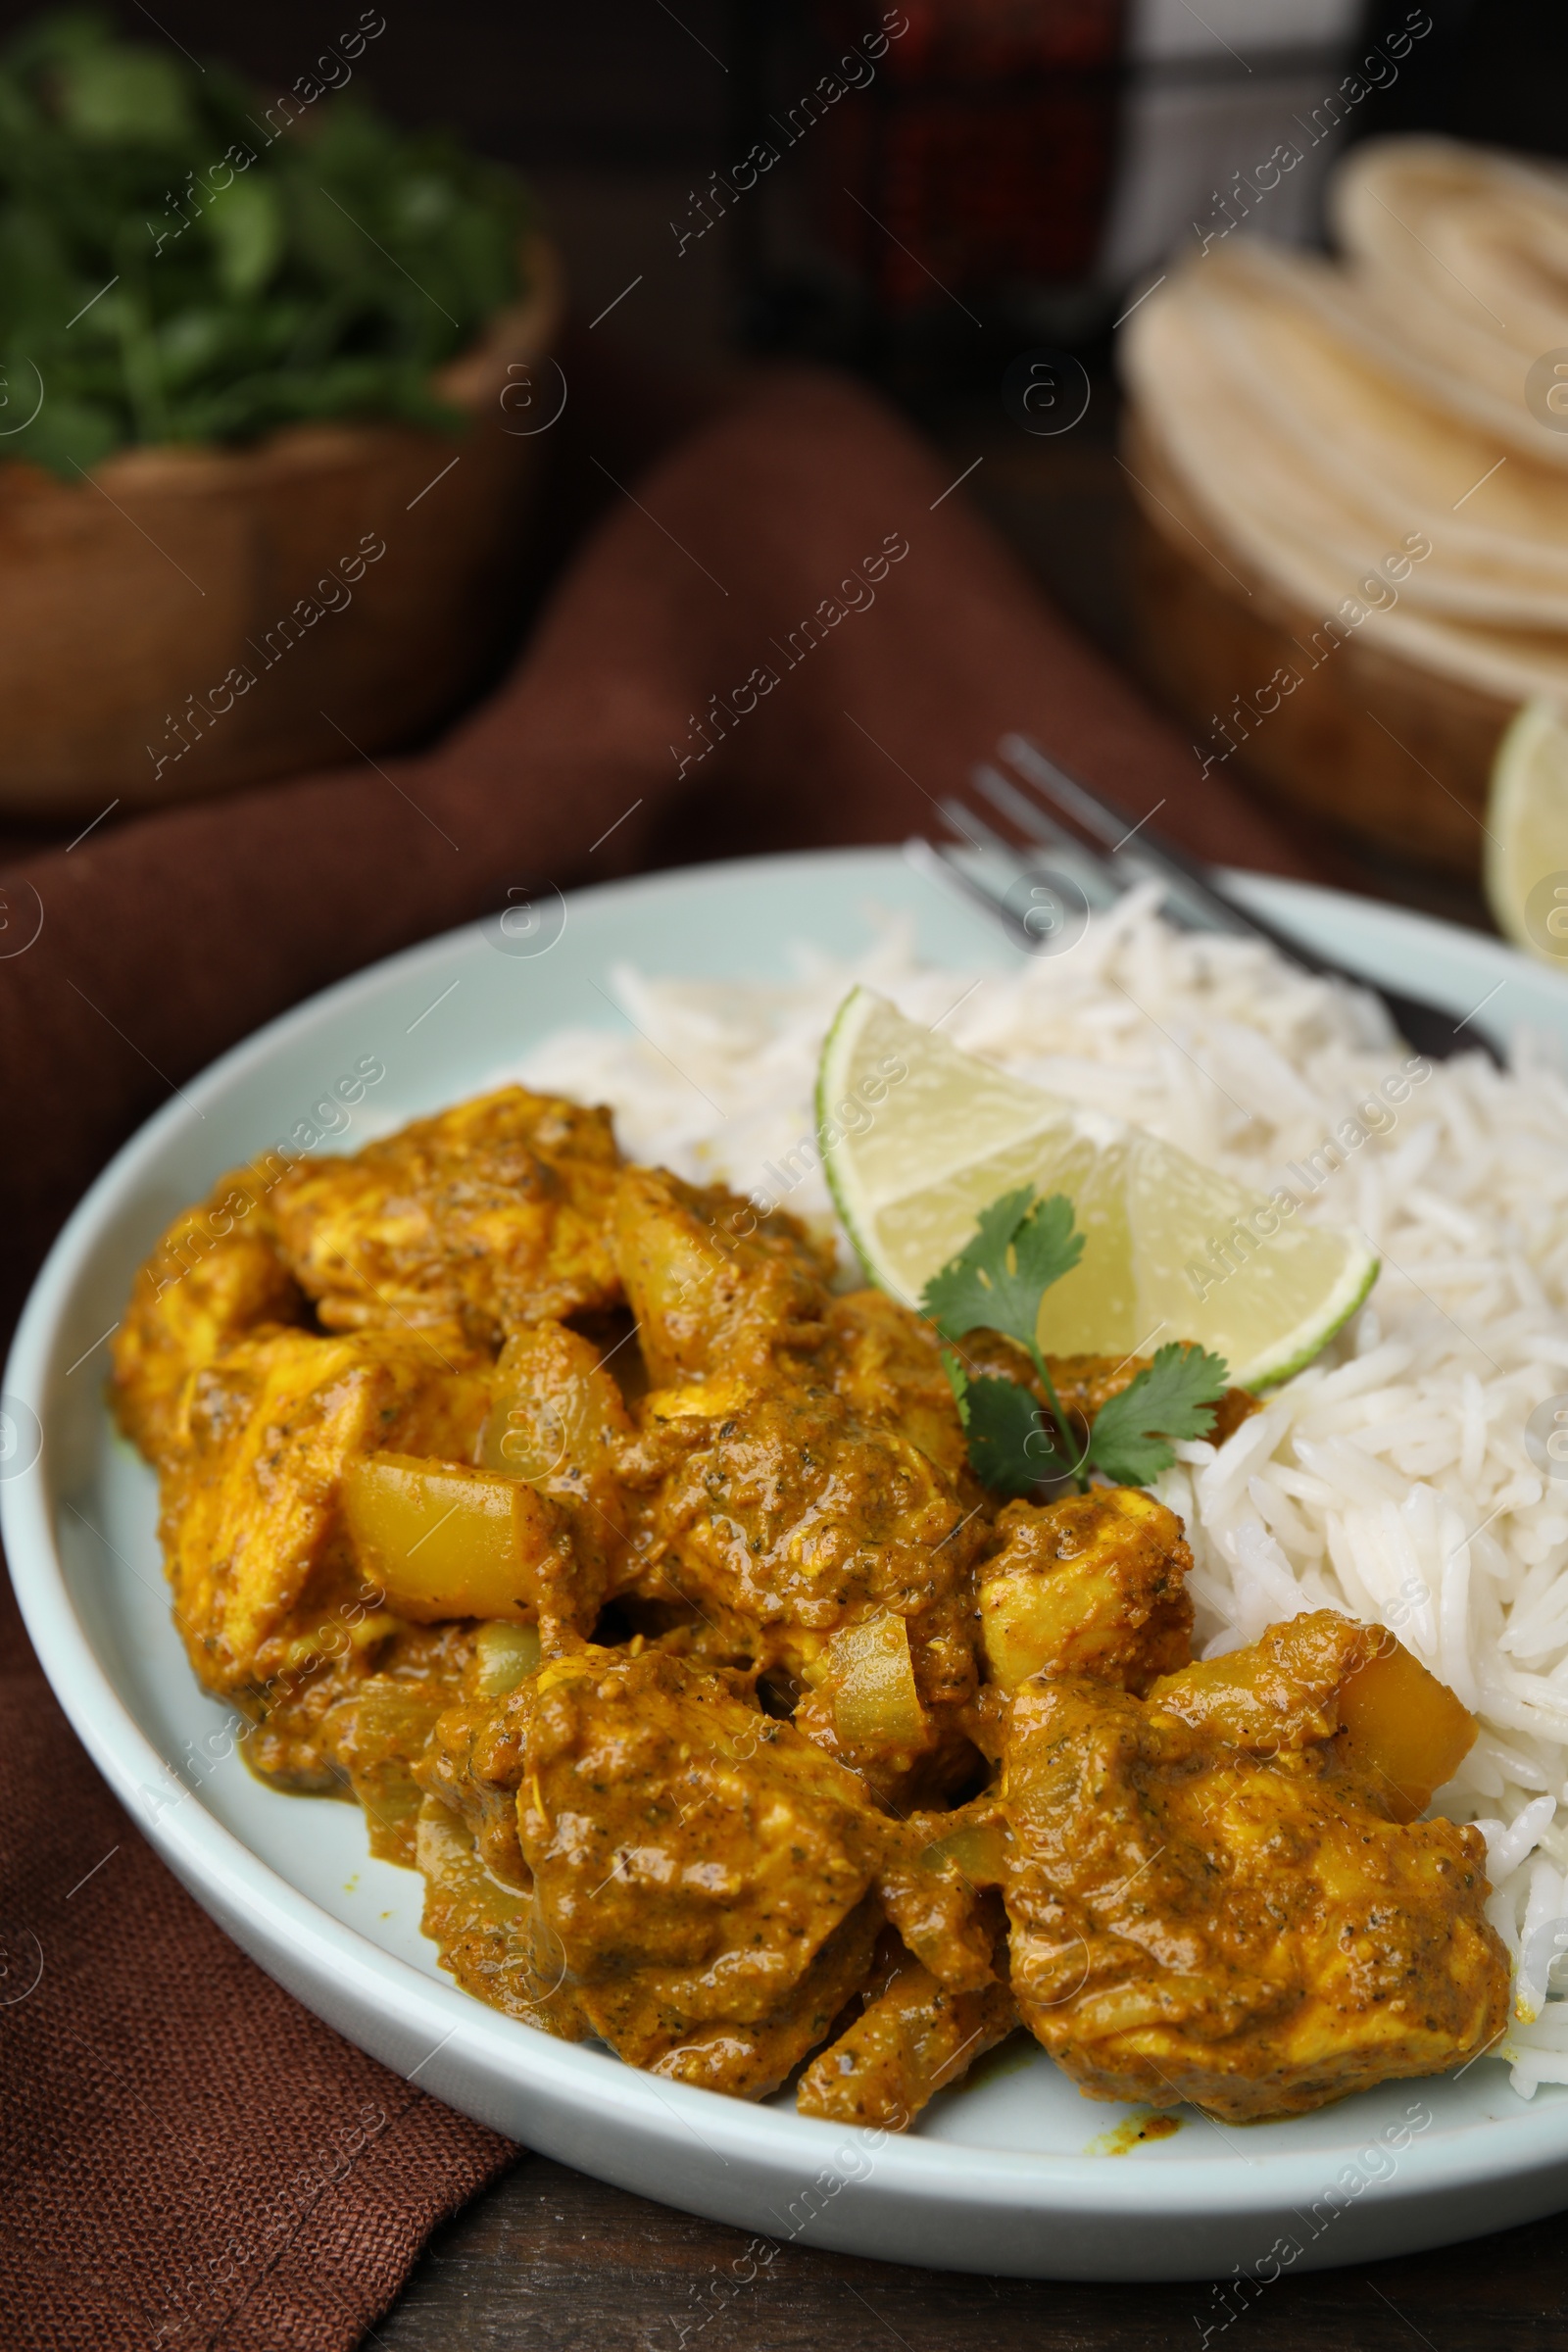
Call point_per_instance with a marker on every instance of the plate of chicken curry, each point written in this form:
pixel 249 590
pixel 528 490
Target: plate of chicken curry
pixel 566 1620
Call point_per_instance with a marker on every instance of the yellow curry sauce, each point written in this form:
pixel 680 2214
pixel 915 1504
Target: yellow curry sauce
pixel 637 1584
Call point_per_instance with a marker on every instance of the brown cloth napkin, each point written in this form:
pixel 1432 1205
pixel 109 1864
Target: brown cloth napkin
pixel 189 2158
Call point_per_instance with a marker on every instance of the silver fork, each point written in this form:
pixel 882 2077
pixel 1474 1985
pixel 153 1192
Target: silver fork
pixel 1044 902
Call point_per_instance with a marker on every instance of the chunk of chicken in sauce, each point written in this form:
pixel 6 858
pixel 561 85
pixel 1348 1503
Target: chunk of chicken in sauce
pixel 914 2036
pixel 215 1276
pixel 1095 1585
pixel 1218 1907
pixel 706 1870
pixel 478 1907
pixel 488 1217
pixel 276 1610
pixel 717 1288
pixel 818 1511
pixel 496 1946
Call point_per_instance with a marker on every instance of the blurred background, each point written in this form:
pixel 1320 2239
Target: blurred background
pixel 1043 152
pixel 931 195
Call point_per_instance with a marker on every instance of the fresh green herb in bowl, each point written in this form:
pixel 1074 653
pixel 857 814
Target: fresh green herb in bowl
pixel 183 261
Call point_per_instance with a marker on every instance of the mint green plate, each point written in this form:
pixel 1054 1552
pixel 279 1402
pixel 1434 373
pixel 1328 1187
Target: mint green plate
pixel 1013 2173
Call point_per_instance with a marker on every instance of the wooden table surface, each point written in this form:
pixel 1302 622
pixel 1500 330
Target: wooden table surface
pixel 549 2260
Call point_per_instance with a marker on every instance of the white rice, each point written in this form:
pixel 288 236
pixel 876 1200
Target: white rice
pixel 1392 1479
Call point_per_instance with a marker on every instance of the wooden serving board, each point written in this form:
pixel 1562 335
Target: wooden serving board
pixel 1380 748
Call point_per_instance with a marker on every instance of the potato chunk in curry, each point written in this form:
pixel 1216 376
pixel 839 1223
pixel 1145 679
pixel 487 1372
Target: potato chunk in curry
pixel 441 1539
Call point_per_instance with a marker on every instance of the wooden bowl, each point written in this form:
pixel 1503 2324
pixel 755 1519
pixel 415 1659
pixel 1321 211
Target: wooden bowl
pixel 193 618
pixel 1385 751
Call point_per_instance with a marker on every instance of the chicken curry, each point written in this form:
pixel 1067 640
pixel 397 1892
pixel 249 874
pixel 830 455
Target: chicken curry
pixel 636 1582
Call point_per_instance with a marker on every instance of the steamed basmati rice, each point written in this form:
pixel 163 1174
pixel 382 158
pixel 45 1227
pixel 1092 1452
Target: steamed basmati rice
pixel 1392 1479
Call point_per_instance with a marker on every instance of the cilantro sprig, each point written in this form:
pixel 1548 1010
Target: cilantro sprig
pixel 1023 1245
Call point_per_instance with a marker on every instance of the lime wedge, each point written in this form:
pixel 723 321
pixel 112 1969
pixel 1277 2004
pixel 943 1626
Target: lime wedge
pixel 918 1137
pixel 1527 833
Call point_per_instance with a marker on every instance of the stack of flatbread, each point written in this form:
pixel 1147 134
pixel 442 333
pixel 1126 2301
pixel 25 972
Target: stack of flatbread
pixel 1321 422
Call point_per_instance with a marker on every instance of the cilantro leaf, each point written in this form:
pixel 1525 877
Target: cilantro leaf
pixel 997 1281
pixel 1010 1449
pixel 1022 1245
pixel 1173 1397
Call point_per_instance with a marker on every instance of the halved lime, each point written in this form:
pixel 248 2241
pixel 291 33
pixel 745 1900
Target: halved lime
pixel 918 1137
pixel 1526 861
